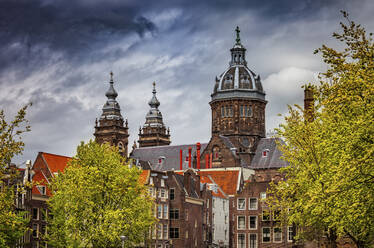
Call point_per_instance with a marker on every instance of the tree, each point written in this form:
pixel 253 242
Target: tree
pixel 97 199
pixel 329 185
pixel 13 223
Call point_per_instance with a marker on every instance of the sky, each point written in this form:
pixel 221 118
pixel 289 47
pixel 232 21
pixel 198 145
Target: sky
pixel 58 54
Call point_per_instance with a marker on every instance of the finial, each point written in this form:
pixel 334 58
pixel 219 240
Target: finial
pixel 237 35
pixel 154 88
pixel 111 76
pixel 126 123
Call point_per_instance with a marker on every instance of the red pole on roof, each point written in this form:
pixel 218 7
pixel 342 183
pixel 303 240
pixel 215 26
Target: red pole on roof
pixel 181 159
pixel 210 160
pixel 206 161
pixel 198 146
pixel 189 157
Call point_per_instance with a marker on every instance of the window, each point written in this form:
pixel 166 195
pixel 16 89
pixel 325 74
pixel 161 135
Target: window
pixel 241 222
pixel 207 203
pixel 165 231
pixel 172 194
pixel 213 201
pixel 290 235
pixel 42 189
pixel 165 213
pixel 263 195
pixel 42 214
pixel 186 235
pixel 162 194
pixel 226 111
pixel 266 234
pixel 253 222
pixel 252 203
pixel 162 183
pixel 277 235
pixel 245 111
pixel 265 215
pixel 159 231
pixel 277 215
pixel 241 240
pixel 174 214
pixel 159 211
pixel 241 204
pixel 35 215
pixel 151 180
pixel 186 214
pixel 43 229
pixel 174 232
pixel 35 230
pixel 150 191
pixel 265 153
pixel 252 240
pixel 225 219
pixel 224 205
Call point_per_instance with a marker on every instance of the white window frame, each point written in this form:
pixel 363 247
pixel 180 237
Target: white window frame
pixel 37 230
pixel 165 214
pixel 159 213
pixel 281 232
pixel 237 222
pixel 249 222
pixel 166 236
pixel 262 233
pixel 288 233
pixel 249 203
pixel 37 214
pixel 238 204
pixel 268 214
pixel 151 181
pixel 249 240
pixel 162 183
pixel 237 240
pixel 263 195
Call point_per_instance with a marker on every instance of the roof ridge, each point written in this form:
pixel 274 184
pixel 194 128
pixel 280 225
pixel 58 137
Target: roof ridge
pixel 55 154
pixel 153 147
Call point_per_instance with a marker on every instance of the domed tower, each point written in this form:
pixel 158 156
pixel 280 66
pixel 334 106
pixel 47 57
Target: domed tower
pixel 111 127
pixel 238 109
pixel 154 132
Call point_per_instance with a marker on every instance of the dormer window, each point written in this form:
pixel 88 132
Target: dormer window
pixel 265 153
pixel 42 189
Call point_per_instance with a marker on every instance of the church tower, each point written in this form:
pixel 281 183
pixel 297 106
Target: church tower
pixel 111 127
pixel 154 132
pixel 238 110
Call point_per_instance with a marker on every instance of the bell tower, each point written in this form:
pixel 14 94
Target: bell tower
pixel 154 132
pixel 111 127
pixel 238 110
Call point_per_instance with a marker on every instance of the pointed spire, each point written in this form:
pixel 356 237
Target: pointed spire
pixel 237 30
pixel 111 93
pixel 154 103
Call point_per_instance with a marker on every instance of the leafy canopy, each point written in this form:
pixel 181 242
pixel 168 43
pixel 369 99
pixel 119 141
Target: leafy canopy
pixel 329 187
pixel 97 199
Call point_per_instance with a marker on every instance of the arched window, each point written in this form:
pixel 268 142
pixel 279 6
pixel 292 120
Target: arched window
pixel 216 153
pixel 120 146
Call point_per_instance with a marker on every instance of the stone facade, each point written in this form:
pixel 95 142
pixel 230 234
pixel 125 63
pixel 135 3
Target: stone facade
pixel 154 132
pixel 111 127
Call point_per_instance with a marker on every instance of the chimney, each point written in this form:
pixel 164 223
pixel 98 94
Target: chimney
pixel 198 147
pixel 308 102
pixel 189 157
pixel 181 159
pixel 207 161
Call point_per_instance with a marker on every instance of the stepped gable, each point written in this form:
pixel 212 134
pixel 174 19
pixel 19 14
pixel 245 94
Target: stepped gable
pixel 272 160
pixel 169 155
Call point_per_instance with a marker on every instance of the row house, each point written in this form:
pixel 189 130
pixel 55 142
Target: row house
pixel 180 204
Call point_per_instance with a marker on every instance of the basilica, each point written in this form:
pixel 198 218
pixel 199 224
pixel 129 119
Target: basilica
pixel 205 194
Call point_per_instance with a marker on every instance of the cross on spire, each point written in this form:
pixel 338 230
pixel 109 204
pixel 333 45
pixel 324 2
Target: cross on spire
pixel 237 30
pixel 111 76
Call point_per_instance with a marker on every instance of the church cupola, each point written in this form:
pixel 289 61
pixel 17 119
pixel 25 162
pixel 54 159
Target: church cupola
pixel 238 104
pixel 154 132
pixel 111 127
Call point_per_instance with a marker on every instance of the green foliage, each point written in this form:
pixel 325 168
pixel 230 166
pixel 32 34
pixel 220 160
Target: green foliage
pixel 97 199
pixel 13 224
pixel 330 180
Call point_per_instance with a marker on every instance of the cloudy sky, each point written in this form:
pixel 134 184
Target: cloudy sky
pixel 57 54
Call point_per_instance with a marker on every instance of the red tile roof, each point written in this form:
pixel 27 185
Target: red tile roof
pixel 144 176
pixel 40 179
pixel 55 162
pixel 227 180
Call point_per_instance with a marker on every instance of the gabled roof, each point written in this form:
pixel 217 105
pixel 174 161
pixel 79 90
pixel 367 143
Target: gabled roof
pixel 208 180
pixel 273 158
pixel 56 163
pixel 170 155
pixel 39 179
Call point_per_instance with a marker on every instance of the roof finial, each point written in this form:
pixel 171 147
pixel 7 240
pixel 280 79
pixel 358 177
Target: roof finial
pixel 154 87
pixel 237 30
pixel 111 76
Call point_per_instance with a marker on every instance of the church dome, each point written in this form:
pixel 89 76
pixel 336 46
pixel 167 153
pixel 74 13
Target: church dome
pixel 238 81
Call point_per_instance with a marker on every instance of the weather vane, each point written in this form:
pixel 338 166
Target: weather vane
pixel 237 35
